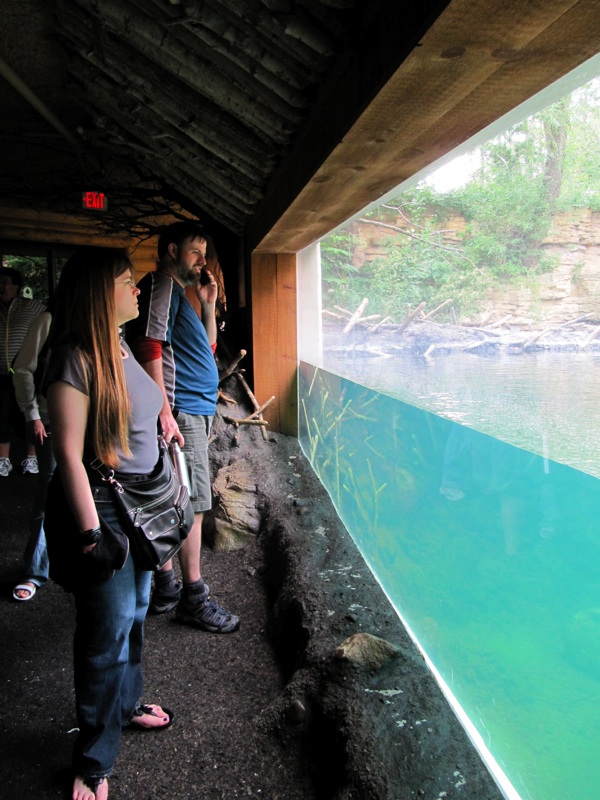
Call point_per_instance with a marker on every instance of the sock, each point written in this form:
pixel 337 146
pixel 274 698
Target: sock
pixel 195 592
pixel 165 579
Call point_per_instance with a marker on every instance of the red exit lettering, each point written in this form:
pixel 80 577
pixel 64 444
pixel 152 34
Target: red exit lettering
pixel 97 201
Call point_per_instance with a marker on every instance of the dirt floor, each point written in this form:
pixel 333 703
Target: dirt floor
pixel 277 710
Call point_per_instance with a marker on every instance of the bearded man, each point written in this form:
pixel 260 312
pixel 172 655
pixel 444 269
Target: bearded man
pixel 176 345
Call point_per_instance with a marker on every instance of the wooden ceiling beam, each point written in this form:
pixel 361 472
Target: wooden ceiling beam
pixel 263 23
pixel 279 80
pixel 32 98
pixel 237 53
pixel 152 84
pixel 150 114
pixel 167 146
pixel 263 113
pixel 473 65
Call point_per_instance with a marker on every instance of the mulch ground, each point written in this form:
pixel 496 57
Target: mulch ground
pixel 218 687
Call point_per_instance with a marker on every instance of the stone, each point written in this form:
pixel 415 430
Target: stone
pixel 366 650
pixel 227 537
pixel 235 515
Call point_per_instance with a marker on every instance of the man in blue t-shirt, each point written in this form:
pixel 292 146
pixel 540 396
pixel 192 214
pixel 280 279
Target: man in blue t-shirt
pixel 176 347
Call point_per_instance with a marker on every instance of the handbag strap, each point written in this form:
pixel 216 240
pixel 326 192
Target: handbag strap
pixel 107 474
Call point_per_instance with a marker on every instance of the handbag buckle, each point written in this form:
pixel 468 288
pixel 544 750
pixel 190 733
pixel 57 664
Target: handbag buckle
pixel 107 474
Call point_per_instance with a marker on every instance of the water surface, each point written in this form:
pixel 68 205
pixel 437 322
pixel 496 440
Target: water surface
pixel 546 402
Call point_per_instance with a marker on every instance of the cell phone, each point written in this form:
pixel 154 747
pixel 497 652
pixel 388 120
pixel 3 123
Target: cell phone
pixel 204 278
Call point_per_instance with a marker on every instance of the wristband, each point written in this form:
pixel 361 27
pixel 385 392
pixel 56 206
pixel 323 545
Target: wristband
pixel 90 537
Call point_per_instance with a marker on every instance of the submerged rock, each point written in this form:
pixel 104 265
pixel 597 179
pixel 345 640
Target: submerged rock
pixel 366 650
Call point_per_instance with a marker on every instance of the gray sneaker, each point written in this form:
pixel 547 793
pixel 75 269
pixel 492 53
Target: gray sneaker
pixel 30 465
pixel 5 467
pixel 164 600
pixel 207 614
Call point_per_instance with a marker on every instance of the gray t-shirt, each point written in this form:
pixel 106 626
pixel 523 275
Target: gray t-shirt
pixel 146 401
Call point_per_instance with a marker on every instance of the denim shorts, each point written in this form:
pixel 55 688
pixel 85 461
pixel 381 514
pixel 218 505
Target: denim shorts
pixel 195 431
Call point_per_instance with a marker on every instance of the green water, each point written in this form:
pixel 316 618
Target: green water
pixel 490 553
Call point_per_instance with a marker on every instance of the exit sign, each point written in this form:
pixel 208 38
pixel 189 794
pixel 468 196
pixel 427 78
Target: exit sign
pixel 96 201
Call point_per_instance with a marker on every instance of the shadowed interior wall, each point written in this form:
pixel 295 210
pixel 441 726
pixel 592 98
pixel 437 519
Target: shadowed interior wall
pixel 46 227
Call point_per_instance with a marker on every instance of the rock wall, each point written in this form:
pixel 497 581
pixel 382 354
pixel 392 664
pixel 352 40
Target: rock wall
pixel 571 290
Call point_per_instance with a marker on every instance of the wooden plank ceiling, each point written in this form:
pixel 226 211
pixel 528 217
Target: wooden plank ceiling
pixel 273 119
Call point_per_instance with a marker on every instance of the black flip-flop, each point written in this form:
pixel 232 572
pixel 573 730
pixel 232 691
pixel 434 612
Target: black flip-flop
pixel 149 710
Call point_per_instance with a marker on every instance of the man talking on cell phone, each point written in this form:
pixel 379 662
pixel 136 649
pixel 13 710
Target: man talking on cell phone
pixel 176 344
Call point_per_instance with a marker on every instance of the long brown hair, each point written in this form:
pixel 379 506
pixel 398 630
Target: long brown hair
pixel 86 318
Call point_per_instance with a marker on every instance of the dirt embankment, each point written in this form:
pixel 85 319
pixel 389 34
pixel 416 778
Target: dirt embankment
pixel 359 706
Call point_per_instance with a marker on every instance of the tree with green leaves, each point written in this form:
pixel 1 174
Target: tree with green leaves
pixel 545 163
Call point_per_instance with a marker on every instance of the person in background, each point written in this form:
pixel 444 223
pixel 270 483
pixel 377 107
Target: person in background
pixel 176 346
pixel 28 370
pixel 16 315
pixel 101 404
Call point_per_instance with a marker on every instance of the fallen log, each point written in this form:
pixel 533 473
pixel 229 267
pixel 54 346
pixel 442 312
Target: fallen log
pixel 369 318
pixel 253 400
pixel 411 316
pixel 378 326
pixel 259 411
pixel 534 339
pixel 347 314
pixel 590 338
pixel 432 314
pixel 500 322
pixel 225 398
pixel 487 331
pixel 476 345
pixel 356 316
pixel 232 367
pixel 344 311
pixel 245 421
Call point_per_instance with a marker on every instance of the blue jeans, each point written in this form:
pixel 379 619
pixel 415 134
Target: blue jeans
pixel 107 649
pixel 35 559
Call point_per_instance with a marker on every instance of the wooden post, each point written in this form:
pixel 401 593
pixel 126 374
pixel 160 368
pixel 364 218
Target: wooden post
pixel 275 357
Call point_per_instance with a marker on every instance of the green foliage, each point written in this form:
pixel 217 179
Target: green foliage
pixel 581 182
pixel 547 162
pixel 507 219
pixel 34 271
pixel 343 283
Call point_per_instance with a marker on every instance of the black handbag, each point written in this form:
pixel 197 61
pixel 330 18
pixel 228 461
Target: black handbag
pixel 69 566
pixel 157 511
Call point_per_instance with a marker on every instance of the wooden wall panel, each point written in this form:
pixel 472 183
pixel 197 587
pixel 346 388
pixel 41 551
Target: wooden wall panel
pixel 46 227
pixel 273 280
pixel 287 343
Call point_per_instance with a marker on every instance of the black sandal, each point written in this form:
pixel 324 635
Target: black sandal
pixel 140 710
pixel 91 783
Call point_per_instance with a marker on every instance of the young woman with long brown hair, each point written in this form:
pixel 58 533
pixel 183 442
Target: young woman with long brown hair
pixel 101 405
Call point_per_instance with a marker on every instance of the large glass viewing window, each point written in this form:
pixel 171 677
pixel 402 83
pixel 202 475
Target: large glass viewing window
pixel 449 400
